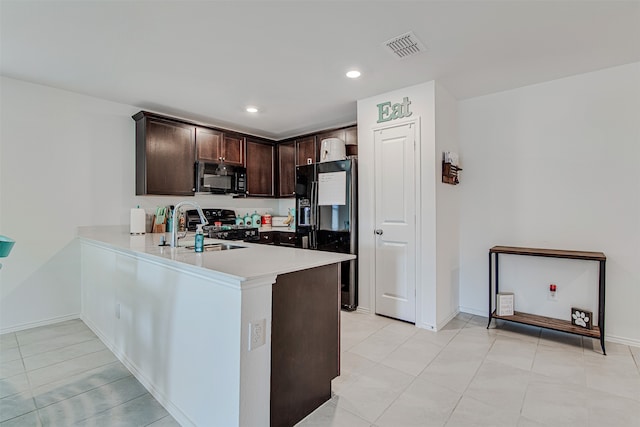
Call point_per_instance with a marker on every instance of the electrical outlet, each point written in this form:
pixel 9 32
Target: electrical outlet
pixel 117 310
pixel 257 331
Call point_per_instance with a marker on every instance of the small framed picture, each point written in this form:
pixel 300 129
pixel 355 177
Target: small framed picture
pixel 581 318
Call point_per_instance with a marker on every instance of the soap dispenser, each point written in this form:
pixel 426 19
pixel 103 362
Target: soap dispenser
pixel 199 244
pixel 247 220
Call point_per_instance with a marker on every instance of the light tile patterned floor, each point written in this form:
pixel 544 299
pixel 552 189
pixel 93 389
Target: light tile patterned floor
pixel 63 375
pixel 393 374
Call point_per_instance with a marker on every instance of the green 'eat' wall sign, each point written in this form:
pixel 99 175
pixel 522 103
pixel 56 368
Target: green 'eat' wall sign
pixel 387 112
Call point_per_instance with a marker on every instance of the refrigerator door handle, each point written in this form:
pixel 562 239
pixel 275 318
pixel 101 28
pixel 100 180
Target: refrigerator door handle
pixel 314 215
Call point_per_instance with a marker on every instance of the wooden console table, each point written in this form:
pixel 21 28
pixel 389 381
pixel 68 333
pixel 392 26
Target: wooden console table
pixel 543 321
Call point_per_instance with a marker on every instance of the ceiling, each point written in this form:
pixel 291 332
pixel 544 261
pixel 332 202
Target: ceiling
pixel 207 60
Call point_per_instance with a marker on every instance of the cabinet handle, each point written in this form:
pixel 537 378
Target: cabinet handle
pixel 379 231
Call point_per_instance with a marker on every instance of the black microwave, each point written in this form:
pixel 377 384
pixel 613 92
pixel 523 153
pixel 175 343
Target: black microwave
pixel 220 178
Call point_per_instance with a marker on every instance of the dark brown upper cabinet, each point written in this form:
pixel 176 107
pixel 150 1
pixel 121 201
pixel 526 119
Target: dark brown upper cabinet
pixel 261 160
pixel 286 169
pixel 233 149
pixel 306 151
pixel 215 146
pixel 208 144
pixel 165 153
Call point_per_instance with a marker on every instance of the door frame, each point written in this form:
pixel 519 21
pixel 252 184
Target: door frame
pixel 415 121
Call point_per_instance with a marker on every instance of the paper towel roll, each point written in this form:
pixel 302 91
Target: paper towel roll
pixel 138 218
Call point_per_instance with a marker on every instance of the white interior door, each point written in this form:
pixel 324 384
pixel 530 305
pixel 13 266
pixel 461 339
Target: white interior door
pixel 395 208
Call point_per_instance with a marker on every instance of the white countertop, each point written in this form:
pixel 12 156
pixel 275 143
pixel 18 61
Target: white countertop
pixel 249 262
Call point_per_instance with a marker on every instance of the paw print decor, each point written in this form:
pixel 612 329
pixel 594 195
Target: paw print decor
pixel 581 318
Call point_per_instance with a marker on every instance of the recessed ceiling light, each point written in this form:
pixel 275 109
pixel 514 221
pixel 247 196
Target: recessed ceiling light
pixel 353 74
pixel 252 110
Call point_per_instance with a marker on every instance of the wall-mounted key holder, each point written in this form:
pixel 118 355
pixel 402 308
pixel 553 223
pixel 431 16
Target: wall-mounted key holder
pixel 450 168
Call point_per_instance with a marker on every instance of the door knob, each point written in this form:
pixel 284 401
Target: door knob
pixel 379 231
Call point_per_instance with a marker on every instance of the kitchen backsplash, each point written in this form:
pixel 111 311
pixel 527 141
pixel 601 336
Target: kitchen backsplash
pixel 240 205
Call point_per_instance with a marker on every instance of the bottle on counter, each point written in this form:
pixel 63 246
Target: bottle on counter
pixel 199 244
pixel 239 220
pixel 247 220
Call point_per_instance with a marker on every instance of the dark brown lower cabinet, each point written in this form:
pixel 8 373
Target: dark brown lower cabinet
pixel 305 342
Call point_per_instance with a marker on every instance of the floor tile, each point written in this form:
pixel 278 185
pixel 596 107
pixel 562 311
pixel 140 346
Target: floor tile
pixel 606 409
pixel 452 369
pixel 471 412
pixel 30 419
pixel 354 332
pixel 13 385
pixel 60 355
pixel 10 354
pixel 499 385
pixel 167 421
pixel 568 342
pixel 379 345
pixel 49 332
pixel 562 363
pixel 141 411
pixel 513 352
pixel 11 368
pixel 8 341
pixel 80 383
pixel 58 371
pixel 421 404
pixel 615 374
pixel 54 343
pixel 552 401
pixel 516 330
pixel 412 356
pixel 441 338
pixel 454 324
pixel 330 415
pixel 351 367
pixel 373 392
pixel 91 403
pixel 16 405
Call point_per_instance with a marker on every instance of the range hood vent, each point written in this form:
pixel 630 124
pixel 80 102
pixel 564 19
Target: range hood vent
pixel 405 45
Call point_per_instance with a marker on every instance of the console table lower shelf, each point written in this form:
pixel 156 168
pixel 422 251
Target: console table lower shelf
pixel 549 323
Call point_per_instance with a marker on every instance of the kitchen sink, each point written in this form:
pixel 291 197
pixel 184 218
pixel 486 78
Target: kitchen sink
pixel 208 247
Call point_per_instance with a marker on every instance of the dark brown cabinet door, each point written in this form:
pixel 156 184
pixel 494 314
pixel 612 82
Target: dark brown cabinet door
pixel 305 150
pixel 286 169
pixel 233 149
pixel 208 144
pixel 260 168
pixel 165 154
pixel 351 135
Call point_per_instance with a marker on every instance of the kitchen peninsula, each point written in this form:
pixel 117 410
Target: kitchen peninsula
pixel 240 337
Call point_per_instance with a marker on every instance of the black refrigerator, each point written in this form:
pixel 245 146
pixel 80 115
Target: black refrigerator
pixel 326 203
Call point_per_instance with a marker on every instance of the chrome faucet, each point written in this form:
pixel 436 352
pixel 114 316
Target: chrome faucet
pixel 174 224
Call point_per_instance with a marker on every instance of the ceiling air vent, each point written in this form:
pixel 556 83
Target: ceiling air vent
pixel 404 45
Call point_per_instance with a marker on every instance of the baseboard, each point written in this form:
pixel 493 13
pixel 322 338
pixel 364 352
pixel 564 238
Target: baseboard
pixel 45 322
pixel 622 340
pixel 175 412
pixel 363 310
pixel 475 312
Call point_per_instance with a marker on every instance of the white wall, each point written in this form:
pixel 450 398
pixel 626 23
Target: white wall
pixel 436 291
pixel 65 160
pixel 555 165
pixel 447 209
